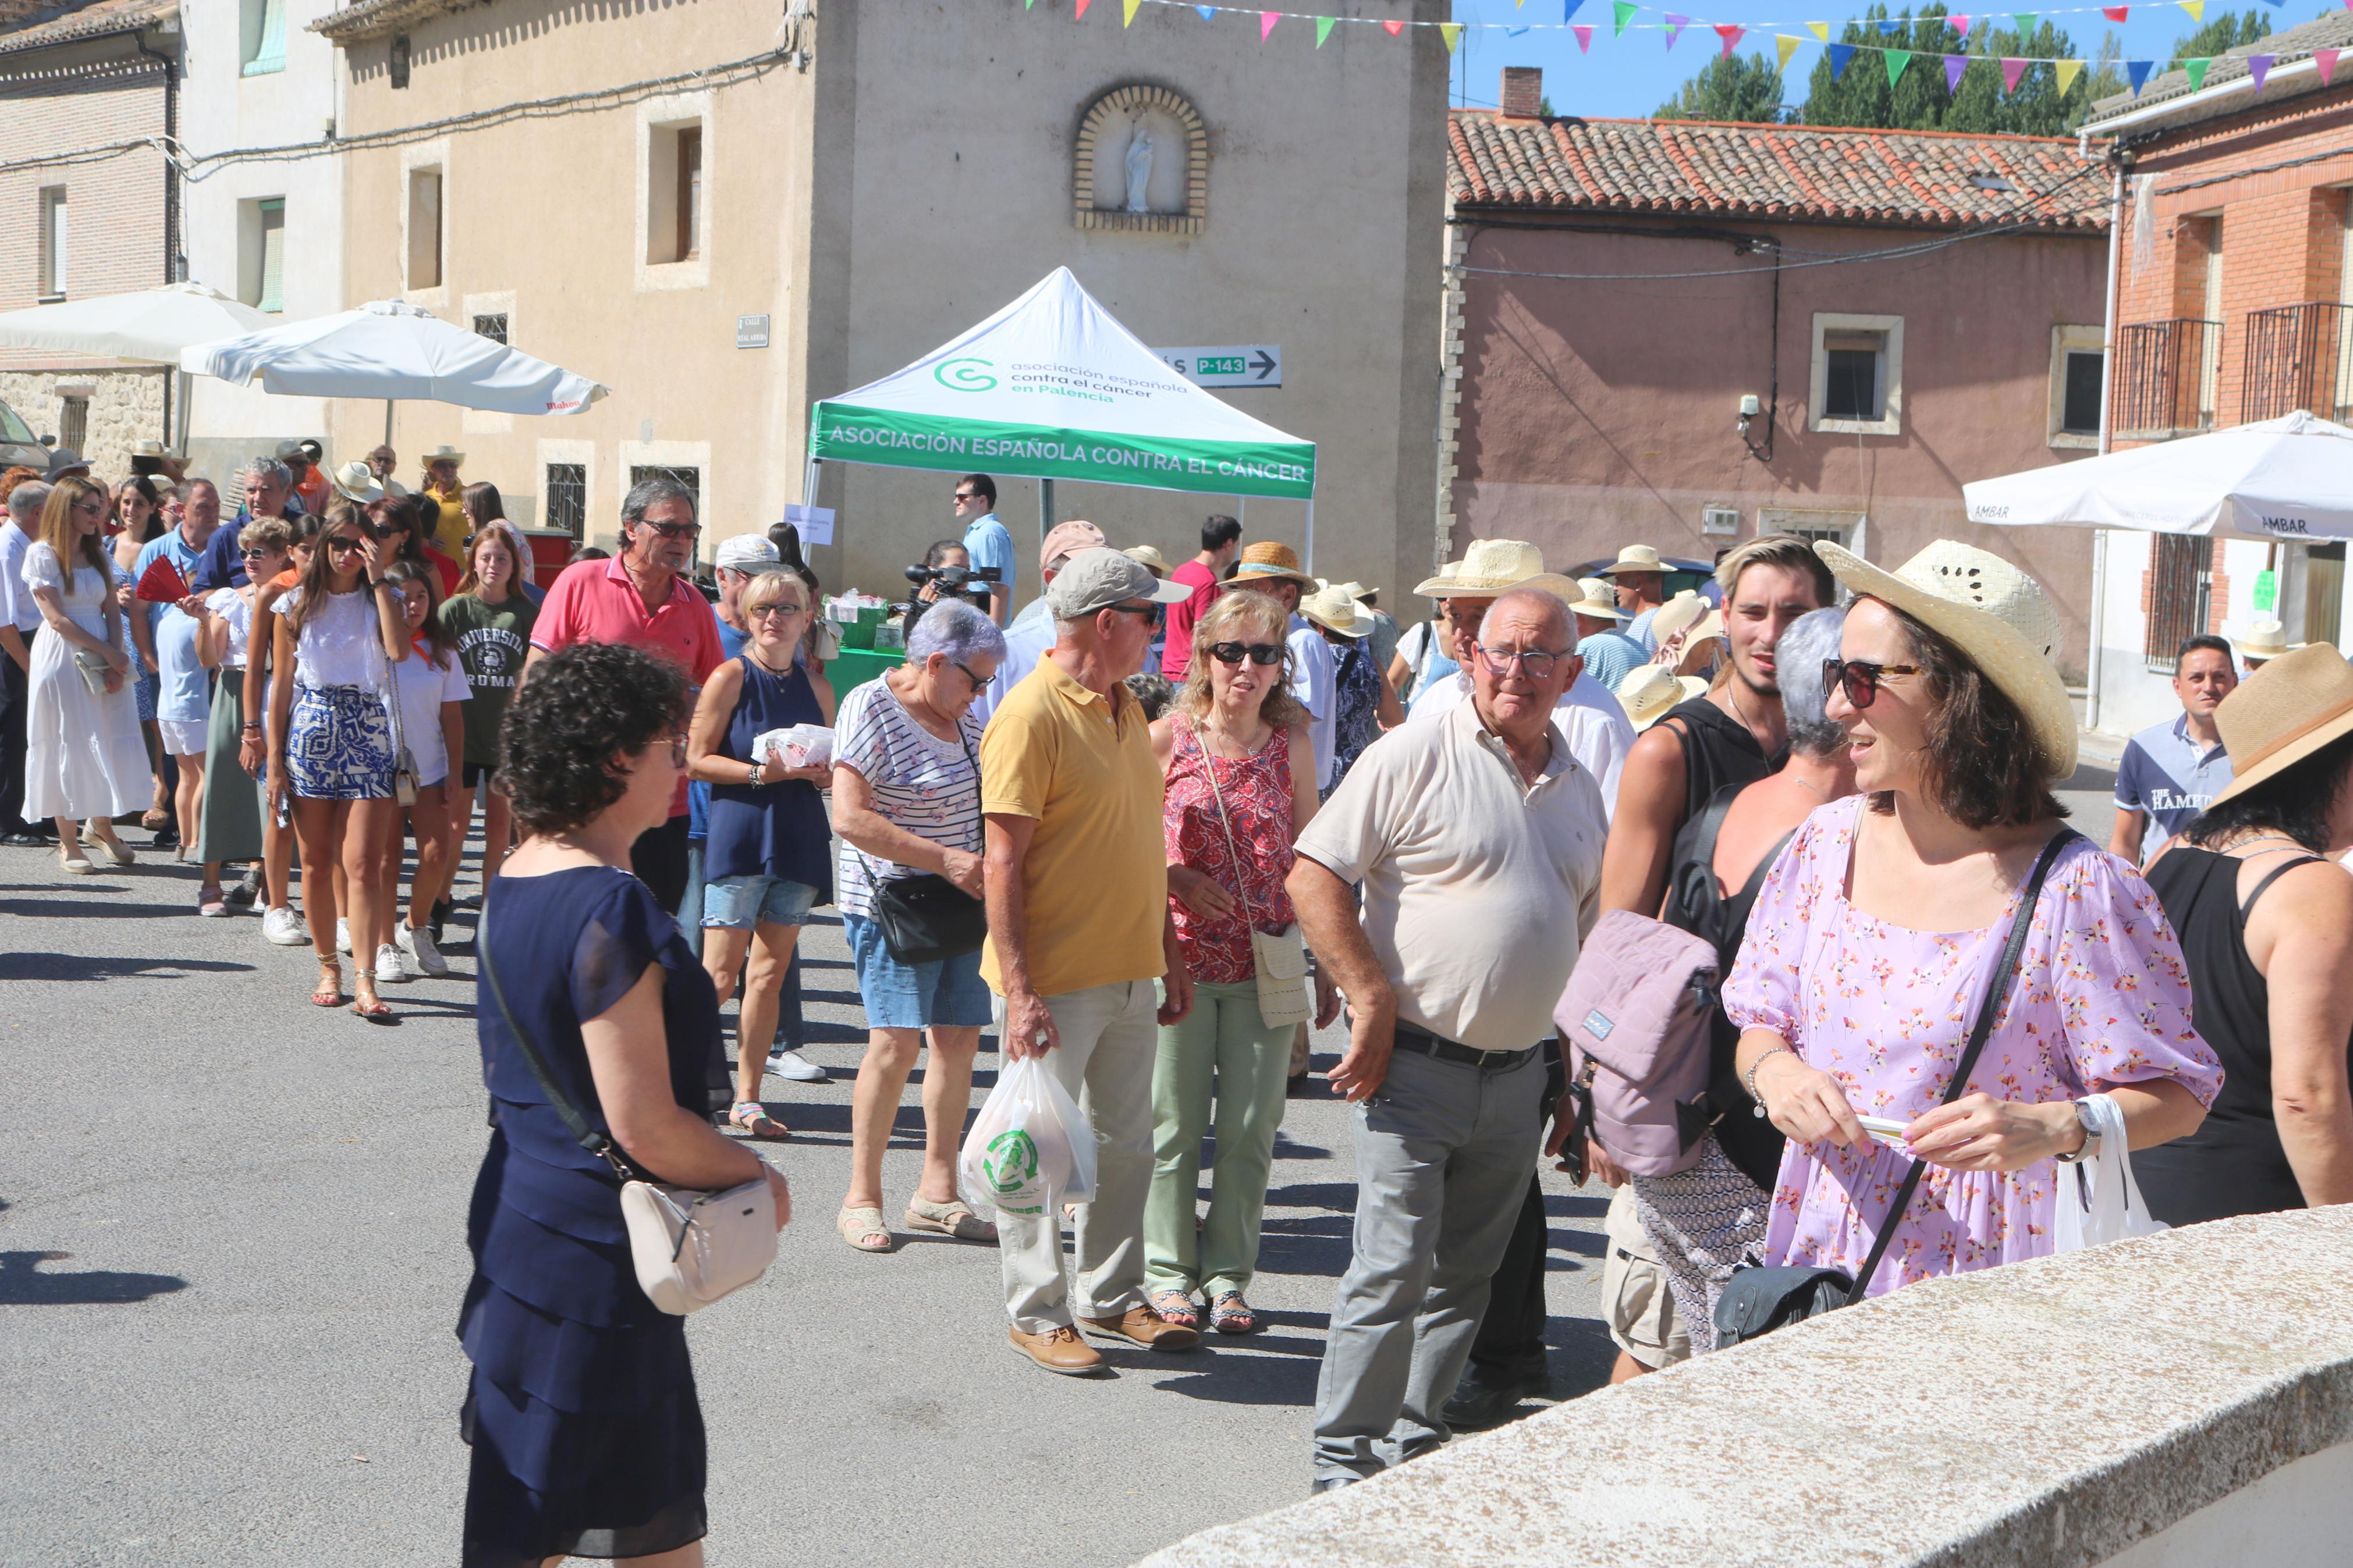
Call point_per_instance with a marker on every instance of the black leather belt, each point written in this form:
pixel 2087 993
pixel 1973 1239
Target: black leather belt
pixel 1412 1038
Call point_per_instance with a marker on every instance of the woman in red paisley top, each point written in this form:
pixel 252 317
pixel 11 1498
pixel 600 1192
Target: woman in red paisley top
pixel 1235 723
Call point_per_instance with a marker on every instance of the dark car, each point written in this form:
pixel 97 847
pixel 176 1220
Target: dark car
pixel 18 445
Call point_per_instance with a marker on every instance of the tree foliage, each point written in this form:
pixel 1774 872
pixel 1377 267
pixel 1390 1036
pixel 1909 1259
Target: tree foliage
pixel 1731 87
pixel 2222 35
pixel 1919 99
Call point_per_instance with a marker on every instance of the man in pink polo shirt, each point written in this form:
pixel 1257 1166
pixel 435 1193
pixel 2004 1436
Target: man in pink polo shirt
pixel 643 596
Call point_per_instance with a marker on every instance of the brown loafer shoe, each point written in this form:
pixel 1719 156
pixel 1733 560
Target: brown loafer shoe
pixel 1060 1351
pixel 1143 1326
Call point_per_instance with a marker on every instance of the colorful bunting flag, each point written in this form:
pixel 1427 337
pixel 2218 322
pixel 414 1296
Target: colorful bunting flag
pixel 2327 60
pixel 1394 28
pixel 1839 55
pixel 1081 12
pixel 1508 32
pixel 1128 9
pixel 1568 9
pixel 1625 10
pixel 2025 23
pixel 1267 20
pixel 1674 26
pixel 1894 60
pixel 1820 30
pixel 2260 66
pixel 1208 13
pixel 1450 31
pixel 2196 71
pixel 1323 25
pixel 2137 72
pixel 1960 25
pixel 1731 35
pixel 1785 46
pixel 2066 71
pixel 2011 71
pixel 1888 25
pixel 2197 8
pixel 2116 12
pixel 1954 66
pixel 1584 38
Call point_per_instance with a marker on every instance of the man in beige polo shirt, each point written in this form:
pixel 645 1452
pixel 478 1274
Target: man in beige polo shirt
pixel 1078 931
pixel 1477 838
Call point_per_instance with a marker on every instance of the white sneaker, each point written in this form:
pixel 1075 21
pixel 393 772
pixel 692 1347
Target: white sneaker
pixel 418 943
pixel 388 971
pixel 799 1068
pixel 284 927
pixel 342 936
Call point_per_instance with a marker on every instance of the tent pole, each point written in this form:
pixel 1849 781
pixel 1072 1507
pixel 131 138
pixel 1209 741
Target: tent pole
pixel 387 421
pixel 1311 537
pixel 808 481
pixel 1045 509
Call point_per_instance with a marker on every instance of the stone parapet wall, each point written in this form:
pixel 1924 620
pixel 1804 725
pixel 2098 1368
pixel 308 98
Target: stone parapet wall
pixel 125 405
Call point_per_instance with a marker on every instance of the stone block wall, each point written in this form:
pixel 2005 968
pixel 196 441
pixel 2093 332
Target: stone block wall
pixel 125 405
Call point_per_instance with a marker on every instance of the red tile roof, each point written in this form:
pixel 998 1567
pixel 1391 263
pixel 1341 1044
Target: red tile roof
pixel 1824 173
pixel 28 25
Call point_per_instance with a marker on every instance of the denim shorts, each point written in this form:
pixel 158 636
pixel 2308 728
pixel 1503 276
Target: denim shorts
pixel 949 994
pixel 744 902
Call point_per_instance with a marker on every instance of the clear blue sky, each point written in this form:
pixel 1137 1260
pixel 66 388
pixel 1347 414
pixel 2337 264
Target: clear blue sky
pixel 1633 74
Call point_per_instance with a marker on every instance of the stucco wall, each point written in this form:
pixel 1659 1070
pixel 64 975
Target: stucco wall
pixel 1597 414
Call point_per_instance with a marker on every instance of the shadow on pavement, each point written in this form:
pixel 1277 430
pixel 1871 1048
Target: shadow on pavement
pixel 23 1284
pixel 78 966
pixel 87 909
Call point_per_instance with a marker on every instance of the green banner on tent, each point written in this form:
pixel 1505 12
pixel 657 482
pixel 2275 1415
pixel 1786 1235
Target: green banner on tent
pixel 844 433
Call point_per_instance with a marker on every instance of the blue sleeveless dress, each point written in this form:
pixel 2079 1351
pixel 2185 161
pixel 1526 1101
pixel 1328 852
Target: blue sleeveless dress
pixel 582 1415
pixel 770 830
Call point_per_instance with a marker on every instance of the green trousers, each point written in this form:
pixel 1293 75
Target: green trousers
pixel 1223 1036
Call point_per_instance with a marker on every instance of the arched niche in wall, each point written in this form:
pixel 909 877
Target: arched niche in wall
pixel 1142 163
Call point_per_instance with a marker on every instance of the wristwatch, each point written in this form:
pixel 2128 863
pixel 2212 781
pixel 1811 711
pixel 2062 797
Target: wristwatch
pixel 2091 1144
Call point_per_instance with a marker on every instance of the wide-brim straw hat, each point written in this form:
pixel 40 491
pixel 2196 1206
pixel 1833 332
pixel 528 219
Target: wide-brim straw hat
pixel 2265 639
pixel 1595 601
pixel 1649 693
pixel 1992 612
pixel 1678 615
pixel 2283 714
pixel 1635 558
pixel 1268 559
pixel 1336 609
pixel 355 481
pixel 1493 567
pixel 1152 558
pixel 1711 624
pixel 444 453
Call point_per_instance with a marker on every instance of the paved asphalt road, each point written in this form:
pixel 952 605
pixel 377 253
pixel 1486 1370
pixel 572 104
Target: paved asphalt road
pixel 232 1249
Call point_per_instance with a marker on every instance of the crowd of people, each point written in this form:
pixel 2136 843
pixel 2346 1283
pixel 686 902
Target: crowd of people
pixel 1157 823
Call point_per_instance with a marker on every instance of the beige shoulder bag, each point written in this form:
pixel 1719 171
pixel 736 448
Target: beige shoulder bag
pixel 1280 960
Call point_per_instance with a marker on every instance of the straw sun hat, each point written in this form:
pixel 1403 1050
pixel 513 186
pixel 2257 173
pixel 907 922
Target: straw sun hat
pixel 2280 715
pixel 1649 691
pixel 1678 615
pixel 1492 567
pixel 355 481
pixel 1336 609
pixel 1635 558
pixel 1992 612
pixel 1268 559
pixel 2265 640
pixel 1595 601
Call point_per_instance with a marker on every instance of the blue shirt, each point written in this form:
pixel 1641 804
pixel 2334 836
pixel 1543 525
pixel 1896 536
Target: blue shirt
pixel 2169 776
pixel 1025 642
pixel 1639 629
pixel 222 567
pixel 987 542
pixel 1610 655
pixel 186 691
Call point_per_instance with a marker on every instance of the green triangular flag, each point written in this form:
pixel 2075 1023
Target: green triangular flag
pixel 2197 70
pixel 2026 25
pixel 1625 9
pixel 1323 29
pixel 1894 60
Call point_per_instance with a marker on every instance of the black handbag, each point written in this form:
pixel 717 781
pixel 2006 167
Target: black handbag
pixel 926 918
pixel 1759 1300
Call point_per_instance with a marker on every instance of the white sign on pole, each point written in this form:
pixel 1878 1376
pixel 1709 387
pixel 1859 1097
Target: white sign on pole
pixel 1243 364
pixel 813 524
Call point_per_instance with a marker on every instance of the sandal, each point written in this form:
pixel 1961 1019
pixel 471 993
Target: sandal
pixel 751 1116
pixel 864 1230
pixel 367 1005
pixel 952 1217
pixel 329 991
pixel 1175 1308
pixel 210 902
pixel 1230 1314
pixel 108 844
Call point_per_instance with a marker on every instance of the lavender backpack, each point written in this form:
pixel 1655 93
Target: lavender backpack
pixel 1635 1021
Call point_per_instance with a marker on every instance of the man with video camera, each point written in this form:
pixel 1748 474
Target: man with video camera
pixel 948 572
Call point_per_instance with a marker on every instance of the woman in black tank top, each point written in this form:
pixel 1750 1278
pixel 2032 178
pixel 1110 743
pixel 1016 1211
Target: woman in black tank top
pixel 2266 927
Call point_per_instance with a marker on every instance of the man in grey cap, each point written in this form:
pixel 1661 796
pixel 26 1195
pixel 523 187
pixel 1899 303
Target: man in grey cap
pixel 740 556
pixel 1078 931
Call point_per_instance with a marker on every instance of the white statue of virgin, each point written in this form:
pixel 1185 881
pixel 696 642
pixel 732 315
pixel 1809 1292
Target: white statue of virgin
pixel 1138 165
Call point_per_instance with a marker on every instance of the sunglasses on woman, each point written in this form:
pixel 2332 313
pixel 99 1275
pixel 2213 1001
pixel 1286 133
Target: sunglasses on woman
pixel 1258 653
pixel 1859 679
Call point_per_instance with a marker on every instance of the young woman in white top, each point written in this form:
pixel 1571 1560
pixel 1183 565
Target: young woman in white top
pixel 431 684
pixel 338 632
pixel 280 924
pixel 229 825
pixel 83 762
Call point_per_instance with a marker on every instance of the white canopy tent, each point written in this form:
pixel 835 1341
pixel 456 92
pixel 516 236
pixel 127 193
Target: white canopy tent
pixel 2289 478
pixel 1053 387
pixel 150 326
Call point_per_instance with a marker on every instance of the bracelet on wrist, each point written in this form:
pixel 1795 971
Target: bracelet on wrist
pixel 1749 1078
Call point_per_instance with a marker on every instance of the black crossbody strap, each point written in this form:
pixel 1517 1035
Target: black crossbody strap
pixel 587 1137
pixel 1979 1032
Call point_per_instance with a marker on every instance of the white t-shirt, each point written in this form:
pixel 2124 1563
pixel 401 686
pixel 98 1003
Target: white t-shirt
pixel 423 691
pixel 1588 719
pixel 1315 682
pixel 929 787
pixel 1026 641
pixel 340 645
pixel 232 607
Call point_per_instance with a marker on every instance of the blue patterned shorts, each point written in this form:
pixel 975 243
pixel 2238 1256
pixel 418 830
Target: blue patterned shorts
pixel 339 744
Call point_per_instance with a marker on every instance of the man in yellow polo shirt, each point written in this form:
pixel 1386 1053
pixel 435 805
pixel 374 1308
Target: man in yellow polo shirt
pixel 1078 931
pixel 448 492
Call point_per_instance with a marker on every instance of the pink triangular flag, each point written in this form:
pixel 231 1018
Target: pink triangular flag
pixel 1266 21
pixel 1394 28
pixel 1954 66
pixel 1584 38
pixel 2260 66
pixel 2326 59
pixel 1960 25
pixel 1080 12
pixel 2011 70
pixel 1731 33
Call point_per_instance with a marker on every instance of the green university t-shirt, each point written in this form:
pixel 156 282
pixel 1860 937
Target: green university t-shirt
pixel 491 641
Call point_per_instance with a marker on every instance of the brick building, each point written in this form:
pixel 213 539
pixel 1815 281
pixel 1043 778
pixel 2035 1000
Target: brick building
pixel 88 92
pixel 1685 335
pixel 2234 303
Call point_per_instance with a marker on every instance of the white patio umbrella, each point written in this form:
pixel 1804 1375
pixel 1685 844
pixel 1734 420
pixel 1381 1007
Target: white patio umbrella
pixel 153 325
pixel 2289 478
pixel 394 351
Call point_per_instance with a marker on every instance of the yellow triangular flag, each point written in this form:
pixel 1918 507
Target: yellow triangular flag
pixel 1128 9
pixel 1453 33
pixel 2066 71
pixel 1820 30
pixel 2197 8
pixel 1785 46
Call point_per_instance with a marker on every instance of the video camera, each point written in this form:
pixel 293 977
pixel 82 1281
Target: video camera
pixel 972 579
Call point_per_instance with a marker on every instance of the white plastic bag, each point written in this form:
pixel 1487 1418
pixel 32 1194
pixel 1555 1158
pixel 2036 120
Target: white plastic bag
pixel 2098 1199
pixel 1030 1148
pixel 795 746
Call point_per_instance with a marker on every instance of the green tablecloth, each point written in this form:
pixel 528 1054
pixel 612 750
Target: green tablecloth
pixel 854 667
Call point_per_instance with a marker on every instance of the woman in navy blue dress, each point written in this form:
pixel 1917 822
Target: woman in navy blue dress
pixel 586 1434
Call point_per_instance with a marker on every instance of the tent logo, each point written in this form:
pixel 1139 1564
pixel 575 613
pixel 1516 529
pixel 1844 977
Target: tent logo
pixel 965 374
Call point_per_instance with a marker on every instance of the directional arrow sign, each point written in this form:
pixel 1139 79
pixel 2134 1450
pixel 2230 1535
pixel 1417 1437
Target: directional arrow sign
pixel 1232 364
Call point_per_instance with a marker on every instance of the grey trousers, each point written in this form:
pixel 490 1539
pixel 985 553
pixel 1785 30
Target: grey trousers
pixel 1444 1152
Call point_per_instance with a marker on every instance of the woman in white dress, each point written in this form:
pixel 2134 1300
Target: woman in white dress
pixel 83 758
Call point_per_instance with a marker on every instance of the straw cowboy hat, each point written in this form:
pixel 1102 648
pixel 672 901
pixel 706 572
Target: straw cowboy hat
pixel 1649 691
pixel 1992 612
pixel 2294 705
pixel 1678 615
pixel 445 453
pixel 1711 624
pixel 355 481
pixel 1635 558
pixel 1268 559
pixel 1151 559
pixel 1336 609
pixel 1492 567
pixel 1595 601
pixel 2265 640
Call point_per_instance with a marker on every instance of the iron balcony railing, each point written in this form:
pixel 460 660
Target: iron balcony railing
pixel 2298 356
pixel 2165 378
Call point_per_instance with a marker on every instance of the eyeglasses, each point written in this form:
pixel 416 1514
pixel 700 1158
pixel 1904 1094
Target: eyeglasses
pixel 344 546
pixel 978 681
pixel 1859 677
pixel 1259 653
pixel 254 552
pixel 785 612
pixel 1535 662
pixel 965 495
pixel 675 529
pixel 677 750
pixel 1147 611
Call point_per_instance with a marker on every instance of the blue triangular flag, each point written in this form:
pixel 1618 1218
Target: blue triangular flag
pixel 2137 70
pixel 1568 8
pixel 1888 25
pixel 1513 32
pixel 1839 55
pixel 1208 13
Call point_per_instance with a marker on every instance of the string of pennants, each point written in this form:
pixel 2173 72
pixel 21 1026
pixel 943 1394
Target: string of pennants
pixel 1730 34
